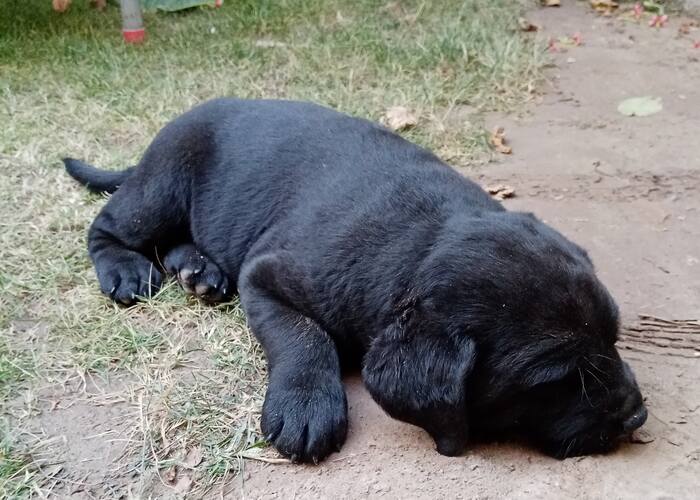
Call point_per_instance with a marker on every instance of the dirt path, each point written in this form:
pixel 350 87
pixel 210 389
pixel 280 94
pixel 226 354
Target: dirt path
pixel 628 189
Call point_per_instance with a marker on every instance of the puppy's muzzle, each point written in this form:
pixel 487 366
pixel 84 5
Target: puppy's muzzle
pixel 636 420
pixel 635 413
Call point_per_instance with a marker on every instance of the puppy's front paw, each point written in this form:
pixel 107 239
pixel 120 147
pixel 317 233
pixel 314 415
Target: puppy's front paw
pixel 197 274
pixel 127 278
pixel 306 419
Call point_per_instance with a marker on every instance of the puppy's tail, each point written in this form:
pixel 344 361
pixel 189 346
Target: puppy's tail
pixel 96 180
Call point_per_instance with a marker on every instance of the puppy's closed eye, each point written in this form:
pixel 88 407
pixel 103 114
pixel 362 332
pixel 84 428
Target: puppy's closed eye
pixel 547 374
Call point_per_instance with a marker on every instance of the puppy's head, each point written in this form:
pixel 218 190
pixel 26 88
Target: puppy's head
pixel 507 333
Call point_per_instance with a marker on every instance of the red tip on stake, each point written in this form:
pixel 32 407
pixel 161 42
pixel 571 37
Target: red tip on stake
pixel 134 36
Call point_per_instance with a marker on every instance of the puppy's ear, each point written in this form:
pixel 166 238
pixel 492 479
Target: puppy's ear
pixel 420 377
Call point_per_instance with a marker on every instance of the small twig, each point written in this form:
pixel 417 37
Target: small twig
pixel 267 460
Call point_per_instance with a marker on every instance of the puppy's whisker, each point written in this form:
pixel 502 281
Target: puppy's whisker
pixel 604 356
pixel 583 387
pixel 599 381
pixel 594 366
pixel 561 447
pixel 568 448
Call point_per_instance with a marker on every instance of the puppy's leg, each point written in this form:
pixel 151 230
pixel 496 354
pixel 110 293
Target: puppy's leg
pixel 143 212
pixel 305 409
pixel 197 274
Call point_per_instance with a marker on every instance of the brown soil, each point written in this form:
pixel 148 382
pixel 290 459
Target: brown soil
pixel 627 189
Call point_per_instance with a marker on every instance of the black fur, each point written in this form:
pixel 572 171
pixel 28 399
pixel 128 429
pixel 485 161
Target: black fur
pixel 342 238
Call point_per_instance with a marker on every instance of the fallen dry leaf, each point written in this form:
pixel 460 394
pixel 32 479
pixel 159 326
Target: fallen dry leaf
pixel 551 3
pixel 526 25
pixel 562 43
pixel 399 118
pixel 501 191
pixel 686 27
pixel 604 6
pixel 60 5
pixel 498 141
pixel 641 436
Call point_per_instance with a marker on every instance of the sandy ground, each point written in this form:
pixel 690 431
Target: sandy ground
pixel 627 189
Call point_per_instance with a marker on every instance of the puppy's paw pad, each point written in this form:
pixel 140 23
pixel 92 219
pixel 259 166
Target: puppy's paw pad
pixel 184 259
pixel 197 274
pixel 210 285
pixel 305 422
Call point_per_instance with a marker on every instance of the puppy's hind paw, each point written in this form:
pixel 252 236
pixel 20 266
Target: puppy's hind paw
pixel 197 274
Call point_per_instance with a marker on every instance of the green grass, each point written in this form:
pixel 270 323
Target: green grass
pixel 16 477
pixel 69 86
pixel 25 463
pixel 15 368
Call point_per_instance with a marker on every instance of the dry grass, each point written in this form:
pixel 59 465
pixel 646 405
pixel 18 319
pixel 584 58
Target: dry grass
pixel 187 379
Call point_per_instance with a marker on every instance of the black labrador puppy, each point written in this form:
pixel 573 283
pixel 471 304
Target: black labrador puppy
pixel 344 240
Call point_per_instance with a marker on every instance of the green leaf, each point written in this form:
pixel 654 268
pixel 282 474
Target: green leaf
pixel 640 106
pixel 650 6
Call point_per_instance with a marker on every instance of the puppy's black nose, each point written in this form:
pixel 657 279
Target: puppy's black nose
pixel 636 420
